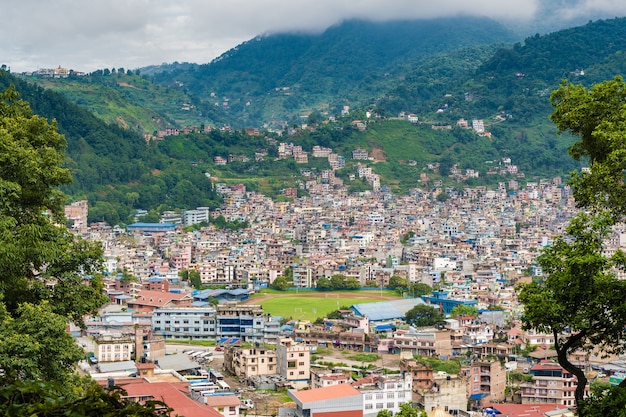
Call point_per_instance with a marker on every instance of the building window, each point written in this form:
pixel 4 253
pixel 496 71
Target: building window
pixel 368 406
pixel 379 406
pixel 390 406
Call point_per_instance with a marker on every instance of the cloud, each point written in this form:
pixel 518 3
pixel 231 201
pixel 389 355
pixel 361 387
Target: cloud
pixel 86 35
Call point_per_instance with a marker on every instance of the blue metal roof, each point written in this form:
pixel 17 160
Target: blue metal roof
pixel 386 310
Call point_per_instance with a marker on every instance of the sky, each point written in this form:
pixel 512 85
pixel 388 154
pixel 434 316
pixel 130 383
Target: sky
pixel 86 35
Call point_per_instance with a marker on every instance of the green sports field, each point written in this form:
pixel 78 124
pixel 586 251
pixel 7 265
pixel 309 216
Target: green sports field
pixel 312 305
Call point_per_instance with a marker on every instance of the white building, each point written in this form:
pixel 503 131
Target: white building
pixel 384 392
pixel 196 216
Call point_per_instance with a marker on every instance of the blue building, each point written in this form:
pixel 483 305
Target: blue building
pixel 151 227
pixel 440 299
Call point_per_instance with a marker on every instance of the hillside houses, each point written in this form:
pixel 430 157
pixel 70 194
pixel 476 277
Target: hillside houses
pixel 476 245
pixel 328 230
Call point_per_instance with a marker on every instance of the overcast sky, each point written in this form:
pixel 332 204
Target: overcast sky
pixel 85 35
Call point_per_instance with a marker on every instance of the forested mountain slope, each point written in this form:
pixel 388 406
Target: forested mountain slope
pixel 280 76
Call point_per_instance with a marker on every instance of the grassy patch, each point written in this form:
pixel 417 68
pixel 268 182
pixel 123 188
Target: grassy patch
pixel 310 308
pixel 365 357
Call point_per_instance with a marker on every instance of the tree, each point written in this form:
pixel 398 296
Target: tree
pixel 352 284
pixel 580 301
pixel 44 349
pixel 323 283
pixel 280 283
pixel 337 282
pixel 399 283
pixel 183 274
pixel 417 289
pixel 463 310
pixel 48 276
pixel 423 315
pixel 30 398
pixel 40 260
pixel 597 116
pixel 194 279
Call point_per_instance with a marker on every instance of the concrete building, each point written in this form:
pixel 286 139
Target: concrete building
pixel 384 392
pixel 335 401
pixel 326 378
pixel 114 347
pixel 551 384
pixel 222 322
pixel 246 322
pixel 423 342
pixel 486 382
pixel 294 360
pixel 447 392
pixel 185 322
pixel 247 362
pixel 196 216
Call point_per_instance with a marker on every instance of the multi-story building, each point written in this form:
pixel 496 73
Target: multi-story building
pixel 224 321
pixel 196 216
pixel 551 384
pixel 447 392
pixel 246 322
pixel 423 342
pixel 114 347
pixel 337 401
pixel 327 378
pixel 247 362
pixel 294 360
pixel 384 392
pixel 486 381
pixel 421 373
pixel 185 322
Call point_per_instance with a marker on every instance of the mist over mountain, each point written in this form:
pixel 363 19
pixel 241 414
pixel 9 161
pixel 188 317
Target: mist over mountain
pixel 273 78
pixel 442 71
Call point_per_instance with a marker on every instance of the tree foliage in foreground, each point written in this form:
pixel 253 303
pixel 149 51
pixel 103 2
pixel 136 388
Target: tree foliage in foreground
pixel 48 277
pixel 48 399
pixel 581 300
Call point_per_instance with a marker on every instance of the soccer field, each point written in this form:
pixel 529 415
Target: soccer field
pixel 310 307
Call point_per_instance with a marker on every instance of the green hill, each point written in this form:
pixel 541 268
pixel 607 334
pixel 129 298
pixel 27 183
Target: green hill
pixel 134 102
pixel 507 88
pixel 276 78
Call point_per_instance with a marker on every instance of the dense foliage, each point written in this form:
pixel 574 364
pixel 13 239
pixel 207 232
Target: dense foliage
pixel 580 301
pixel 114 168
pixel 48 277
pixel 278 76
pixel 118 172
pixel 36 398
pixel 423 315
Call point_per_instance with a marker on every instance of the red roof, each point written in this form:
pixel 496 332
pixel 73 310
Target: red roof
pixel 174 395
pixel 157 298
pixel 547 365
pixel 222 400
pixel 326 393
